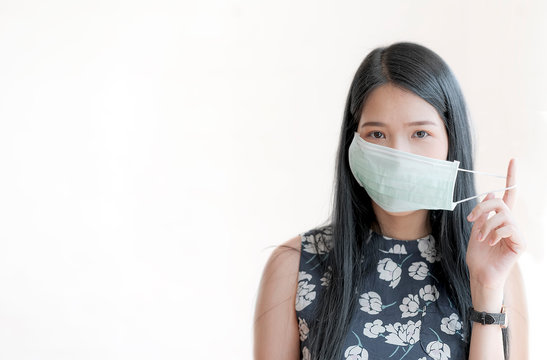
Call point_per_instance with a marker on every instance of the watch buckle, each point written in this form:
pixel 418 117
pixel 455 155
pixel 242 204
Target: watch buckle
pixel 483 317
pixel 505 317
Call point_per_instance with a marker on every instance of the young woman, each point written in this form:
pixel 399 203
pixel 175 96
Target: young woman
pixel 409 265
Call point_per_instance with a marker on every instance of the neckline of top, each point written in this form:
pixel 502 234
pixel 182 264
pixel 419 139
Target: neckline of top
pixel 404 241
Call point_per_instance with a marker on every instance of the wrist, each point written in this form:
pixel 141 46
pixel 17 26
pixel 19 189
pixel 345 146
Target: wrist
pixel 486 299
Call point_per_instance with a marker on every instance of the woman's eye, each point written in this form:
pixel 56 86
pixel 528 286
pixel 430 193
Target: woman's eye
pixel 424 134
pixel 373 133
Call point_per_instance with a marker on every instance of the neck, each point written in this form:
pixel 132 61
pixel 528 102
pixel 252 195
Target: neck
pixel 409 225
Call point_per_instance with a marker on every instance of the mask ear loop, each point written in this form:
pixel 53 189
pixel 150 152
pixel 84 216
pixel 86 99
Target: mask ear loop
pixel 485 193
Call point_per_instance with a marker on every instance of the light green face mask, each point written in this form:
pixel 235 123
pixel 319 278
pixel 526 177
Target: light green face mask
pixel 401 181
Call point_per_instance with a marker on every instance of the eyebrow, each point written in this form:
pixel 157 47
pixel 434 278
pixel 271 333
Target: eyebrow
pixel 376 123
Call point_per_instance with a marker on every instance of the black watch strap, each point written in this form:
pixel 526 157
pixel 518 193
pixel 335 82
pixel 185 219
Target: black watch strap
pixel 485 318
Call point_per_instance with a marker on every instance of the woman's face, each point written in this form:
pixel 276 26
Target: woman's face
pixel 404 121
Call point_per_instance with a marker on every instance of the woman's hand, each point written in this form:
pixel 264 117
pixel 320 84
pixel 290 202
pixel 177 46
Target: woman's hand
pixel 495 243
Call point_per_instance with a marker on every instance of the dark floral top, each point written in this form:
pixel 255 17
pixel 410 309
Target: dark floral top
pixel 404 311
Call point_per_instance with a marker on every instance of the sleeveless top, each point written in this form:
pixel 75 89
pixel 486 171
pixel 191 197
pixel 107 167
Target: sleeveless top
pixel 403 310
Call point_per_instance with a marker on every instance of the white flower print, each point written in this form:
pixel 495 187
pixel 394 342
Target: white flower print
pixel 438 350
pixel 410 305
pixel 304 294
pixel 404 334
pixel 396 249
pixel 371 303
pixel 306 355
pixel 389 271
pixel 451 325
pixel 321 240
pixel 356 352
pixel 373 329
pixel 422 358
pixel 418 270
pixel 325 280
pixel 303 329
pixel 429 293
pixel 427 249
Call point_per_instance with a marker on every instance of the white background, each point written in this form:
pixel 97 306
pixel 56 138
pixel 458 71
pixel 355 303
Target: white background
pixel 153 153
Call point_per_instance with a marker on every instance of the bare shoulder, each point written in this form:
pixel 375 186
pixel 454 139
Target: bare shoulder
pixel 515 301
pixel 295 243
pixel 285 259
pixel 281 269
pixel 276 333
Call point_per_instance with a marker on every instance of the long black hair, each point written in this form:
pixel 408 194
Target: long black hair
pixel 418 69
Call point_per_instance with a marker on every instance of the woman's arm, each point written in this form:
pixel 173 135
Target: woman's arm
pixel 495 244
pixel 276 334
pixel 515 300
pixel 486 340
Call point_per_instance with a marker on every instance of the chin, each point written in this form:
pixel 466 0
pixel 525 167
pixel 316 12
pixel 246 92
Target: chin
pixel 401 213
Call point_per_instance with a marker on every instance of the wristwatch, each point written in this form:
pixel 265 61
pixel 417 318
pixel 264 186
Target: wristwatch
pixel 485 318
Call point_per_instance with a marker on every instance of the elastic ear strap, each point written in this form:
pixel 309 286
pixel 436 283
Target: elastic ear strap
pixel 488 192
pixel 483 173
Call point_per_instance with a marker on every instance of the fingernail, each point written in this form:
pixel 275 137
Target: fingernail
pixel 470 216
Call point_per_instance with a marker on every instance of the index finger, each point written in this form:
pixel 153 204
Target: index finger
pixel 510 196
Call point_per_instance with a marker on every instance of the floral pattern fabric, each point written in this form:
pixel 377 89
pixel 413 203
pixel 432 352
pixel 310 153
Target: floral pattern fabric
pixel 403 311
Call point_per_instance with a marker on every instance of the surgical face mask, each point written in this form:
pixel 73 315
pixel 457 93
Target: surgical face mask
pixel 401 181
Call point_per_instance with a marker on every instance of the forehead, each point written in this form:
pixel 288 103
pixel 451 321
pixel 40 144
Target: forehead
pixel 393 105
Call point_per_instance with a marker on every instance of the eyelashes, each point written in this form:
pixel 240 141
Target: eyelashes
pixel 423 133
pixel 374 132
